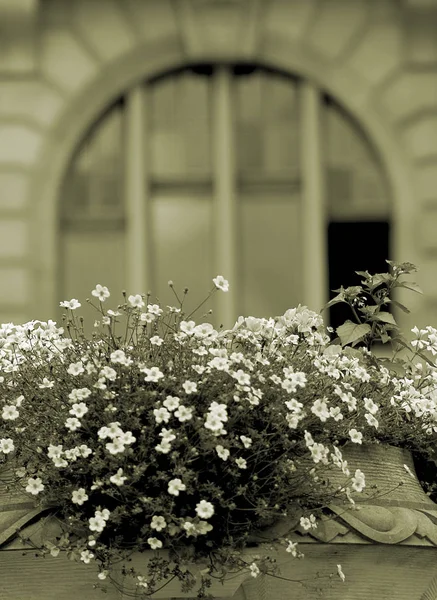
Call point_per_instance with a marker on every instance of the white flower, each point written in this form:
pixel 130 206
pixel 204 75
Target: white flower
pixel 370 406
pixel 108 373
pixel 164 447
pixel 213 423
pixel 118 356
pixel 158 523
pixel 218 410
pixel 101 292
pixel 308 522
pixel 356 436
pixel 127 438
pixel 34 486
pixel 154 309
pixel 71 304
pixel 190 387
pixel 175 486
pixel 78 410
pixel 46 383
pixel 221 283
pixel 79 496
pixel 136 301
pixel 142 581
pixel 161 415
pixel 292 548
pixel 358 481
pixel 190 528
pixel 113 430
pixel 222 452
pixel 97 523
pixel 241 377
pixel 167 435
pixel 115 447
pixel 118 478
pixel 156 340
pixel 247 441
pixel 241 463
pixel 84 450
pixel 103 574
pixel 152 374
pixel 187 327
pixel 75 369
pixel 79 394
pixel 371 420
pixel 6 445
pixel 184 413
pixel 171 403
pixel 72 423
pixel 10 413
pixel 204 509
pixel 154 543
pixel 147 317
pixel 86 556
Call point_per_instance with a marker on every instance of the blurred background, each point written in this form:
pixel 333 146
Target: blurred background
pixel 283 144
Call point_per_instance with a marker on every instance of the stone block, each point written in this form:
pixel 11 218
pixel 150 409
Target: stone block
pixel 290 18
pixel 160 13
pixel 335 24
pixel 19 144
pixel 378 52
pixel 421 137
pixel 14 189
pixel 65 61
pixel 13 238
pixel 104 24
pixel 31 100
pixel 410 93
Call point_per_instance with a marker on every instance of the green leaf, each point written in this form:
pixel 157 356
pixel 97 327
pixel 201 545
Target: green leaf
pixel 350 332
pixel 401 306
pixel 405 267
pixel 385 338
pixel 385 317
pixel 337 299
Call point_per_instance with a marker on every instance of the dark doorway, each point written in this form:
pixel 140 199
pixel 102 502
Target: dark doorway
pixel 354 246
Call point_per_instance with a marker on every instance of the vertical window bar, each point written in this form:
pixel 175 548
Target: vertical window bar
pixel 314 239
pixel 224 214
pixel 137 255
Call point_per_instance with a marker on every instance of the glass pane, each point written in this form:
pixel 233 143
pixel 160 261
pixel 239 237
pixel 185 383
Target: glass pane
pixel 356 188
pixel 181 231
pixel 88 258
pixel 270 243
pixel 180 126
pixel 94 183
pixel 267 127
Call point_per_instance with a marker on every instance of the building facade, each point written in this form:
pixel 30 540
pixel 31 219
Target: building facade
pixel 276 142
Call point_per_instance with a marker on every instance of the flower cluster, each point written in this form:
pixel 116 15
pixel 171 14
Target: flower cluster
pixel 159 433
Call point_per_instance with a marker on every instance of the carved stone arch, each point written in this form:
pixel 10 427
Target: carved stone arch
pixel 149 59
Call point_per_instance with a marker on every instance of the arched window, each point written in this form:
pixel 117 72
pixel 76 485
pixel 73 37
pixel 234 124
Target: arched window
pixel 224 169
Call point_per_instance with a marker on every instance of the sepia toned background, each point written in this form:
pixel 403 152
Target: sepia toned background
pixel 280 143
